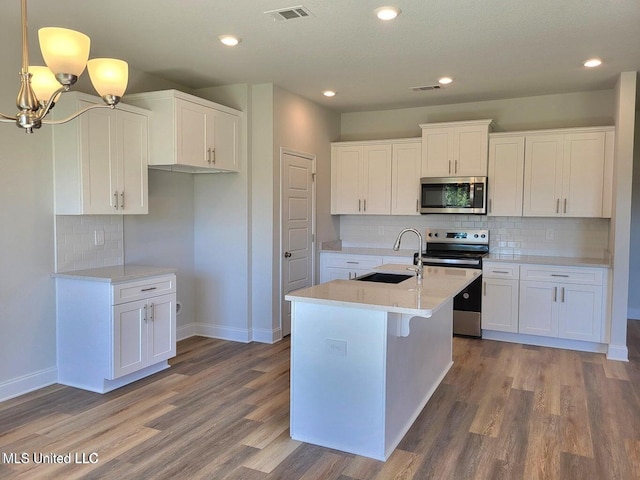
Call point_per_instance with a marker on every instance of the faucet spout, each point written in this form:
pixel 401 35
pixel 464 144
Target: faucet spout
pixel 396 247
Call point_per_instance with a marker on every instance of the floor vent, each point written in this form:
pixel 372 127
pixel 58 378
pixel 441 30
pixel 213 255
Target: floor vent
pixel 289 13
pixel 424 88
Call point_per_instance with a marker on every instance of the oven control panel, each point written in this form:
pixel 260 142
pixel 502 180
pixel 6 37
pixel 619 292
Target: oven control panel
pixel 466 236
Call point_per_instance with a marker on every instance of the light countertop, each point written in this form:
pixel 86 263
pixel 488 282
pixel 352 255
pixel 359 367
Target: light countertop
pixel 383 252
pixel 547 260
pixel 410 297
pixel 117 273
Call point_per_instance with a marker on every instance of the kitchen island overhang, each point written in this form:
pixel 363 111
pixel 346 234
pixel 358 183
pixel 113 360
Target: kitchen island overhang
pixel 366 357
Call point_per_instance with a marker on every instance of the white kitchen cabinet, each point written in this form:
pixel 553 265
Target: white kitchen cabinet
pixel 506 175
pixel 191 134
pixel 562 302
pixel 455 149
pixel 361 178
pixel 406 166
pixel 111 334
pixel 500 297
pixel 567 173
pixel 100 159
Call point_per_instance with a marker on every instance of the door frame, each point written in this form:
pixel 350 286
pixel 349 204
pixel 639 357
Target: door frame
pixel 312 158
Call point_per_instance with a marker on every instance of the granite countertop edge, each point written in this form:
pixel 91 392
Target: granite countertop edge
pixel 116 274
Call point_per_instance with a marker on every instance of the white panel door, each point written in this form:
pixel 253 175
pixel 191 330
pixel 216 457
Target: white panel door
pixel 506 176
pixel 500 304
pixel 161 323
pixel 405 178
pixel 193 133
pixel 580 312
pixel 129 337
pixel 376 198
pixel 346 178
pixel 132 162
pixel 538 313
pixel 543 175
pixel 583 174
pixel 437 152
pixel 470 151
pixel 297 229
pixel 225 145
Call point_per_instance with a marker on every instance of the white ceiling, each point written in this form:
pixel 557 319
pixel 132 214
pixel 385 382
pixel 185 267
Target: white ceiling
pixel 493 48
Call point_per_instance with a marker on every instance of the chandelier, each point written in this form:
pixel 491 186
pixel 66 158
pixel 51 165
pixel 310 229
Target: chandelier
pixel 66 54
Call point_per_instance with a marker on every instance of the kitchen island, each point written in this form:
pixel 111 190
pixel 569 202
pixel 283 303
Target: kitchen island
pixel 366 357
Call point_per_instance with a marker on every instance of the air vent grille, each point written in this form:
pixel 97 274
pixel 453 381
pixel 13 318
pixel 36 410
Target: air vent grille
pixel 289 13
pixel 424 88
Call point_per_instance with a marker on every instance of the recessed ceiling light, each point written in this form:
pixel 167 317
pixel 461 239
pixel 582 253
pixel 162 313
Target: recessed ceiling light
pixel 230 40
pixel 593 62
pixel 387 13
pixel 445 80
pixel 329 93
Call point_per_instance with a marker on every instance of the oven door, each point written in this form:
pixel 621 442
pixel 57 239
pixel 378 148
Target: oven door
pixel 453 195
pixel 467 310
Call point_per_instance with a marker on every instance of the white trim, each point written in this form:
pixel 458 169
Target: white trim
pixel 633 313
pixel 262 335
pixel 186 331
pixel 221 332
pixel 312 158
pixel 618 352
pixel 28 383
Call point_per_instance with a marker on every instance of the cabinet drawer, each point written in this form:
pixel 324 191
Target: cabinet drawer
pixel 500 270
pixel 141 289
pixel 545 273
pixel 352 261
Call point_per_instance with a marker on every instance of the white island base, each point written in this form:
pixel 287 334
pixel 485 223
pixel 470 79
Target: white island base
pixel 361 376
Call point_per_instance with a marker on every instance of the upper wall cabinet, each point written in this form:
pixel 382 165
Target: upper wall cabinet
pixel 100 158
pixel 190 134
pixel 506 175
pixel 455 149
pixel 568 173
pixel 375 178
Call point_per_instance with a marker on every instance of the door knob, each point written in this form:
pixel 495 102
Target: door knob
pixel 287 254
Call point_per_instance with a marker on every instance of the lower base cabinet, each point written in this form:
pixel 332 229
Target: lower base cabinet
pixel 110 335
pixel 547 301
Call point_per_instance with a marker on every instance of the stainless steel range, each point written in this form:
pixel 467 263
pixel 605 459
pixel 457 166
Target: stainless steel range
pixel 461 248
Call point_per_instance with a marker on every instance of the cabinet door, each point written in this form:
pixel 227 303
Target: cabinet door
pixel 161 313
pixel 225 141
pixel 543 175
pixel 437 152
pixel 500 304
pixel 538 314
pixel 346 174
pixel 583 174
pixel 193 125
pixel 405 178
pixel 506 176
pixel 580 312
pixel 130 342
pixel 470 146
pixel 99 174
pixel 132 144
pixel 376 181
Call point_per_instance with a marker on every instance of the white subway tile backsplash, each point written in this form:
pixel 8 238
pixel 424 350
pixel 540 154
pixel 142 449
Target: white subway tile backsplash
pixel 75 242
pixel 571 237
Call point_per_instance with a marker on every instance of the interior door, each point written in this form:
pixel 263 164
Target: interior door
pixel 297 229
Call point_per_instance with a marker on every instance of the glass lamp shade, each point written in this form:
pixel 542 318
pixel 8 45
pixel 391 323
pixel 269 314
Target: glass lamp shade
pixel 64 51
pixel 109 76
pixel 43 82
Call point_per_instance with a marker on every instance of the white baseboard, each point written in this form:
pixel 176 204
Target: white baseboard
pixel 186 331
pixel 618 352
pixel 545 341
pixel 266 336
pixel 28 383
pixel 242 335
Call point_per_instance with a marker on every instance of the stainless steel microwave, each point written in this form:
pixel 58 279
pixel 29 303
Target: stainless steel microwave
pixel 453 195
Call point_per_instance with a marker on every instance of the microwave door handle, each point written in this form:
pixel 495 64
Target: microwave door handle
pixel 472 191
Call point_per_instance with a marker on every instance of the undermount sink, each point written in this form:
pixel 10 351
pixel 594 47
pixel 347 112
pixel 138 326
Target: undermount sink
pixel 384 277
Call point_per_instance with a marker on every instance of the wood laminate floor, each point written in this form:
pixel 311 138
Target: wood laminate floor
pixel 504 411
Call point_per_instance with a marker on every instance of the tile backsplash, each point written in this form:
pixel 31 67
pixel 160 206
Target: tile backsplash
pixel 558 237
pixel 76 247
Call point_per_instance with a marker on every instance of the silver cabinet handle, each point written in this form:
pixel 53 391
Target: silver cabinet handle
pixel 359 205
pixel 500 271
pixel 562 293
pixel 484 289
pixel 557 205
pixel 555 294
pixel 353 263
pixel 417 205
pixel 148 289
pixel 355 275
pixel 115 200
pixel 349 275
pixel 455 168
pixel 213 156
pixel 565 205
pixel 152 307
pixel 145 313
pixel 365 204
pixel 122 202
pixel 449 167
pixel 209 155
pixel 287 254
pixel 559 275
pixel 490 205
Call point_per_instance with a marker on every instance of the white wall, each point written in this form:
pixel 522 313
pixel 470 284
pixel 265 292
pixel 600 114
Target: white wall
pixel 634 254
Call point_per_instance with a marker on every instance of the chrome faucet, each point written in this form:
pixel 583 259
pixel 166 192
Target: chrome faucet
pixel 419 267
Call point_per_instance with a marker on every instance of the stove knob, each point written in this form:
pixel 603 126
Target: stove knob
pixel 475 236
pixel 483 235
pixel 429 233
pixel 435 234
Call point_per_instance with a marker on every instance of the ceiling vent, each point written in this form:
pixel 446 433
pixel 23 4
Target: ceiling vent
pixel 289 13
pixel 424 88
